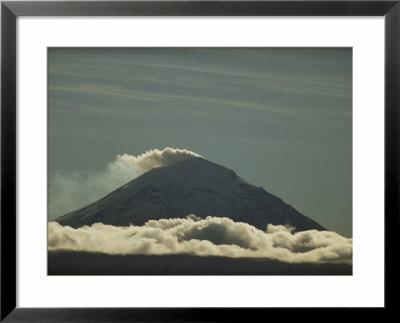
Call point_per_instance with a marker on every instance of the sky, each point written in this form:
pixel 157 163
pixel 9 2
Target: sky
pixel 281 118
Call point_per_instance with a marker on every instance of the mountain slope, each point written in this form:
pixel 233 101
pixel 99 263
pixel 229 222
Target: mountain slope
pixel 194 186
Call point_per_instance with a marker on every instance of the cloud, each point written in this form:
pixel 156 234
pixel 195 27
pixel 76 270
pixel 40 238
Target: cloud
pixel 69 191
pixel 211 236
pixel 159 158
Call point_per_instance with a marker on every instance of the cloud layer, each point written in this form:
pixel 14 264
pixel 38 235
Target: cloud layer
pixel 69 191
pixel 211 236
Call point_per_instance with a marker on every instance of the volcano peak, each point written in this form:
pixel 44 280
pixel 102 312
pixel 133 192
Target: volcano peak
pixel 193 186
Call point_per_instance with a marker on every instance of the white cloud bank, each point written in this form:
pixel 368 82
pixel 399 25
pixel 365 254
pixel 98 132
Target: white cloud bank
pixel 211 236
pixel 72 190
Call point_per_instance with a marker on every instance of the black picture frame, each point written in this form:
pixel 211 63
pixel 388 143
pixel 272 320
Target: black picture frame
pixel 10 10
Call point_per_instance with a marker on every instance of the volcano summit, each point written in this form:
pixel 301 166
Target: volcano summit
pixel 193 186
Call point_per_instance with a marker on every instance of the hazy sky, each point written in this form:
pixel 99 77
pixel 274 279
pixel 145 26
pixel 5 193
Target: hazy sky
pixel 280 118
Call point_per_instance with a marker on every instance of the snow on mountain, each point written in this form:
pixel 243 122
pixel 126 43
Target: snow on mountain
pixel 193 186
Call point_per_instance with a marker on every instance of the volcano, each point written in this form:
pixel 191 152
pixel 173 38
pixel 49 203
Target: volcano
pixel 194 186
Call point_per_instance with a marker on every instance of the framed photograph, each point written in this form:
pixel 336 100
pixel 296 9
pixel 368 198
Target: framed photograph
pixel 161 159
